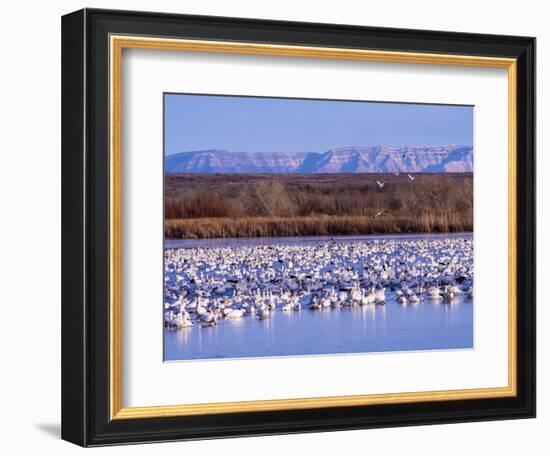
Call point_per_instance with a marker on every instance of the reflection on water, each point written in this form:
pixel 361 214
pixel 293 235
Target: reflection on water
pixel 391 327
pixel 426 325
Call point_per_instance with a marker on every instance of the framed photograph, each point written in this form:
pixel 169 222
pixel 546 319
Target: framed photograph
pixel 279 227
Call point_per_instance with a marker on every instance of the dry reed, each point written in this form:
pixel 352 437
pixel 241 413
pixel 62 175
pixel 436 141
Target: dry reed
pixel 322 225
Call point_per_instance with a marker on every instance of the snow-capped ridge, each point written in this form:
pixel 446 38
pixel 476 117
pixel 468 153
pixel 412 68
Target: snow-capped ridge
pixel 348 159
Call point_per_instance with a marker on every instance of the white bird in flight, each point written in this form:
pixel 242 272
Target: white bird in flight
pixel 411 177
pixel 380 184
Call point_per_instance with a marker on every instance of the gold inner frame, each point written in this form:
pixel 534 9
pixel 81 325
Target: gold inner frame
pixel 117 44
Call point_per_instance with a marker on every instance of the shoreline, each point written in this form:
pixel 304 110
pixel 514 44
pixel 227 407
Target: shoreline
pixel 315 225
pixel 241 241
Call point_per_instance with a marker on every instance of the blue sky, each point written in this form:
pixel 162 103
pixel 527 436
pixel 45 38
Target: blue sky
pixel 251 124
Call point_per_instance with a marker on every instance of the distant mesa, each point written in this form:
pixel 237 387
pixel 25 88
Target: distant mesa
pixel 440 159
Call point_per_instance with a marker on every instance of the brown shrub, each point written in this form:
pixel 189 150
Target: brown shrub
pixel 205 206
pixel 207 228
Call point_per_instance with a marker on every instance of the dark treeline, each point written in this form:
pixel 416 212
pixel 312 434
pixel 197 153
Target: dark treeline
pixel 276 205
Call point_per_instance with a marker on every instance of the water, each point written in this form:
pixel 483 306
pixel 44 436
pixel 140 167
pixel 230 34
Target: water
pixel 304 240
pixel 428 325
pixel 392 327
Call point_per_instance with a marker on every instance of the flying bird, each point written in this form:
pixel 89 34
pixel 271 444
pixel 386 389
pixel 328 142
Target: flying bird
pixel 380 184
pixel 411 177
pixel 396 174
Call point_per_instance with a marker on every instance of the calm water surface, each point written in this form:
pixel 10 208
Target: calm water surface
pixel 375 328
pixel 303 240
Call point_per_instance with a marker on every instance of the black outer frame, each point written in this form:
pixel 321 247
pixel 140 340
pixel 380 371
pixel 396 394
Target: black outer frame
pixel 85 227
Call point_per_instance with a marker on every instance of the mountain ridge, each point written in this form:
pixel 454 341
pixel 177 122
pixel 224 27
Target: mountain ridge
pixel 348 159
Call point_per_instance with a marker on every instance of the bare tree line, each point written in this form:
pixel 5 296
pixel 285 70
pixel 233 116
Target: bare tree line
pixel 277 207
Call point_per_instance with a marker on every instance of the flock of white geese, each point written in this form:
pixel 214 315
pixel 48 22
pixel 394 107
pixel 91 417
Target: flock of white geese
pixel 203 286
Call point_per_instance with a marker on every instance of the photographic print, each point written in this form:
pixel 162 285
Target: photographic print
pixel 244 197
pixel 300 227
